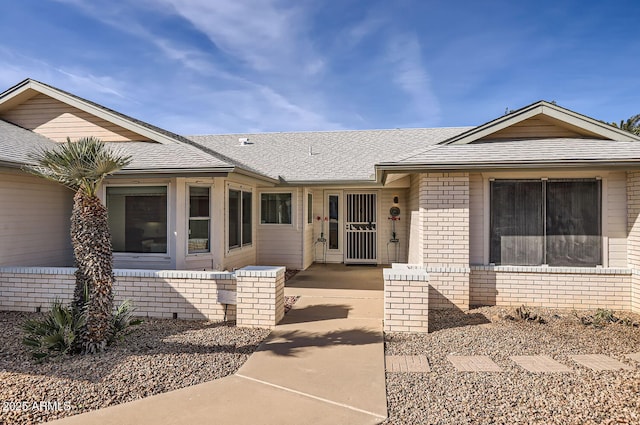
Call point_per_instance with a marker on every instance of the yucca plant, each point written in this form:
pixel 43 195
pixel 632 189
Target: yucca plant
pixel 82 166
pixel 56 334
pixel 122 320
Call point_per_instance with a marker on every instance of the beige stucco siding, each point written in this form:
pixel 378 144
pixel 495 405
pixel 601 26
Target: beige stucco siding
pixel 34 221
pixel 281 244
pixel 56 120
pixel 393 252
pixel 615 206
pixel 535 127
pixel 414 221
pixel 477 216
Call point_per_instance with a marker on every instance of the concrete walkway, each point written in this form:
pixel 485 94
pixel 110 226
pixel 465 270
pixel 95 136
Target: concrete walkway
pixel 324 364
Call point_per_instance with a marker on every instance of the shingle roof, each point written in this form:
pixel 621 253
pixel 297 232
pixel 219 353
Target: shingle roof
pixel 16 143
pixel 182 159
pixel 543 151
pixel 335 155
pixel 156 156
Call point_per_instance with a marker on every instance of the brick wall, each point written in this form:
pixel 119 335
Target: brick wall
pixel 558 287
pixel 633 237
pixel 449 287
pixel 190 295
pixel 444 208
pixel 406 299
pixel 444 202
pixel 260 296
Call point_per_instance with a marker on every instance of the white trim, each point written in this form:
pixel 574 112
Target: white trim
pixel 340 196
pixel 205 254
pixel 241 188
pixel 544 176
pixel 293 208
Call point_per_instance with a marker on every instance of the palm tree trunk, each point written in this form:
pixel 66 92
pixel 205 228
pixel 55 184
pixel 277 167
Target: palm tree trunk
pixel 91 241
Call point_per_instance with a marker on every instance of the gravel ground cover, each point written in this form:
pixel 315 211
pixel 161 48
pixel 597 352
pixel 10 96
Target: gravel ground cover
pixel 158 356
pixel 515 396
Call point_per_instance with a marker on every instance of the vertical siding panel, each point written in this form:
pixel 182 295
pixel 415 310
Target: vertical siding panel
pixel 57 121
pixel 34 221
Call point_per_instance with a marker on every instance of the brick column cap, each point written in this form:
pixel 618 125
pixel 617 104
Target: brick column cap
pixel 405 274
pixel 260 271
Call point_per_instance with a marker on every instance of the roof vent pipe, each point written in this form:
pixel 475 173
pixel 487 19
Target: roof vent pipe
pixel 244 141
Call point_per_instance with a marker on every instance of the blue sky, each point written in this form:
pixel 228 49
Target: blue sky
pixel 213 66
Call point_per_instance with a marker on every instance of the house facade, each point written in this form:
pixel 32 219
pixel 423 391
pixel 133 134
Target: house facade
pixel 537 207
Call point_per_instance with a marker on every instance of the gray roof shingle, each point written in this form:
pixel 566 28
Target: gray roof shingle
pixel 16 143
pixel 531 151
pixel 156 156
pixel 326 155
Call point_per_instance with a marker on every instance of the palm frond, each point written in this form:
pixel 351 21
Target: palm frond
pixel 80 165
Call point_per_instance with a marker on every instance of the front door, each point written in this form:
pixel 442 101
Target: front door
pixel 360 222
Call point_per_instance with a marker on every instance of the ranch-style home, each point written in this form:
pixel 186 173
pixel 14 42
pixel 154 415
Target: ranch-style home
pixel 539 206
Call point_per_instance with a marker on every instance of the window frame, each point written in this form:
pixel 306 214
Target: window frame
pixel 126 254
pixel 291 208
pixel 309 207
pixel 189 219
pixel 339 224
pixel 602 212
pixel 241 244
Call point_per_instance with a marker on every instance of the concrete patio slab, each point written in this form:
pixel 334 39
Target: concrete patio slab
pixel 326 308
pixel 324 364
pixel 600 362
pixel 217 402
pixel 315 356
pixel 474 364
pixel 540 364
pixel 407 364
pixel 633 356
pixel 339 276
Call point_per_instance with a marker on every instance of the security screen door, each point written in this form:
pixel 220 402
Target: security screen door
pixel 361 234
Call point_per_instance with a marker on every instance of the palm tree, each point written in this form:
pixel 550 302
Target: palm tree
pixel 82 166
pixel 632 125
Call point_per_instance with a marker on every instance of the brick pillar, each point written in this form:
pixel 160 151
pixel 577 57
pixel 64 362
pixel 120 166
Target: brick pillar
pixel 406 299
pixel 633 236
pixel 260 296
pixel 444 202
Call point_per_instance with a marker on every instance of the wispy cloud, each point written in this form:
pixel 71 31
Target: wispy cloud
pixel 268 35
pixel 409 74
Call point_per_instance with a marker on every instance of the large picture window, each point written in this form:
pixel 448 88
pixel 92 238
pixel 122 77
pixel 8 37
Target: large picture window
pixel 275 208
pixel 199 220
pixel 552 222
pixel 240 231
pixel 138 218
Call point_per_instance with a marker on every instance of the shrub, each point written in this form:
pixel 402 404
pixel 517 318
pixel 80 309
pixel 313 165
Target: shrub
pixel 56 333
pixel 122 321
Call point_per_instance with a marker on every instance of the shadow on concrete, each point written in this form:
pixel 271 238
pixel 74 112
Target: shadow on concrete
pixel 316 313
pixel 294 343
pixel 446 315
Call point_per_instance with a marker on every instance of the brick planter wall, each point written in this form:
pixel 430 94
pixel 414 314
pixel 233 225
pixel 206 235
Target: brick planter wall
pixel 406 299
pixel 260 296
pixel 557 287
pixel 189 294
